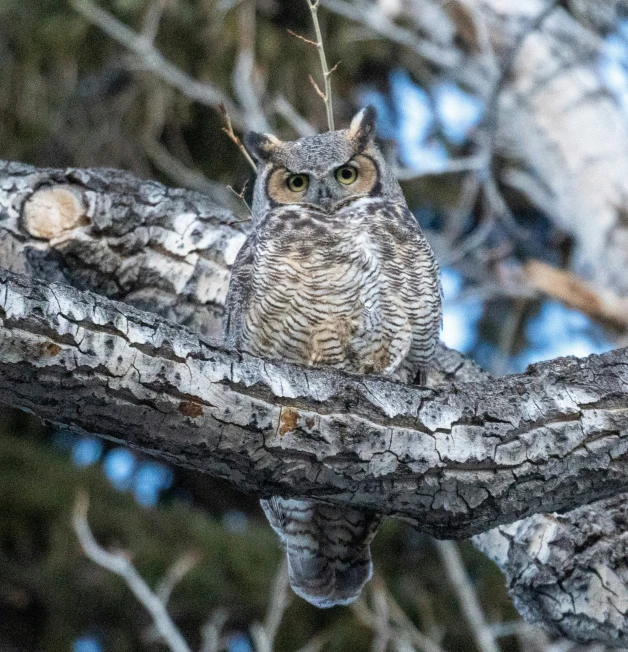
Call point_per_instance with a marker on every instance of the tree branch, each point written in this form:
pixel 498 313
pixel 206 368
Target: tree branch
pixel 569 572
pixel 455 460
pixel 120 565
pixel 141 45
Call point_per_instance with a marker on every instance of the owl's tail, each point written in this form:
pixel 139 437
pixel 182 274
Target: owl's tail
pixel 328 548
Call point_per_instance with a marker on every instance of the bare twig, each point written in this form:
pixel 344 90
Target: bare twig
pixel 452 561
pixel 576 293
pixel 264 634
pixel 326 95
pixel 381 616
pixel 175 574
pixel 153 60
pixel 403 626
pixel 118 564
pixel 453 166
pixel 228 129
pixel 369 15
pixel 240 196
pixel 491 114
pixel 152 18
pixel 403 623
pixel 247 85
pixel 185 176
pixel 279 601
pixel 210 634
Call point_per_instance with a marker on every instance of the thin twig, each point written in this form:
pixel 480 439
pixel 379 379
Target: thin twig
pixel 454 567
pixel 247 84
pixel 575 292
pixel 240 196
pixel 118 564
pixel 228 129
pixel 453 166
pixel 154 61
pixel 369 15
pixel 152 18
pixel 183 175
pixel 175 574
pixel 404 627
pixel 211 631
pixel 264 634
pixel 326 95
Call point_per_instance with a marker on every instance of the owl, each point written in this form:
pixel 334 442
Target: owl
pixel 335 273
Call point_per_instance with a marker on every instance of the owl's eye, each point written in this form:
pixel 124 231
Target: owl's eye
pixel 298 182
pixel 346 175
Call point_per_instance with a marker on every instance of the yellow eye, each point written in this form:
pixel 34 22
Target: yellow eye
pixel 346 175
pixel 298 182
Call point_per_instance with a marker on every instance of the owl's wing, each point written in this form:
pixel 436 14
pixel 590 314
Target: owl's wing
pixel 414 281
pixel 239 291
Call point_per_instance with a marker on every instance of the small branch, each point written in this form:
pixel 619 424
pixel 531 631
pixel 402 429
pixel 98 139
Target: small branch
pixel 290 115
pixel 452 166
pixel 121 566
pixel 152 18
pixel 210 634
pixel 316 87
pixel 326 95
pixel 372 17
pixel 175 574
pixel 403 626
pixel 183 175
pixel 264 634
pixel 247 86
pixel 240 196
pixel 452 561
pixel 228 129
pixel 576 293
pixel 302 38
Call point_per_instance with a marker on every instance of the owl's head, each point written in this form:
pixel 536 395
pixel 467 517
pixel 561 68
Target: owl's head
pixel 322 170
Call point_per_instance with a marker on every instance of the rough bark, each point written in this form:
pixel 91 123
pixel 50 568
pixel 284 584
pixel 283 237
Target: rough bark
pixel 569 572
pixel 163 250
pixel 454 459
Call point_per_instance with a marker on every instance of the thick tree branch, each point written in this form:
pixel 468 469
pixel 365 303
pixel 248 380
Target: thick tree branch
pixel 455 460
pixel 163 250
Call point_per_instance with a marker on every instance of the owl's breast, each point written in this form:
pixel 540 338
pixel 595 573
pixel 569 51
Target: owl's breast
pixel 331 291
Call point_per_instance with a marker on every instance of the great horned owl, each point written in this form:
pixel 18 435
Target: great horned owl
pixel 337 273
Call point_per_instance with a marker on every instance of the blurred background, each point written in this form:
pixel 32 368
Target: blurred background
pixel 508 123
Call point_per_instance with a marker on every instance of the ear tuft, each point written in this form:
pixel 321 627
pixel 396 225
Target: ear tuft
pixel 259 145
pixel 362 128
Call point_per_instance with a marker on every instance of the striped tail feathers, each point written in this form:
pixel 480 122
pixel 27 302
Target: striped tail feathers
pixel 328 548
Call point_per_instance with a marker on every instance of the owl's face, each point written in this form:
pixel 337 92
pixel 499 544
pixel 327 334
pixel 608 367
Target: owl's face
pixel 325 171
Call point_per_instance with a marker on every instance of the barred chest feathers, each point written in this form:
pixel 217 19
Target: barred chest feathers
pixel 356 290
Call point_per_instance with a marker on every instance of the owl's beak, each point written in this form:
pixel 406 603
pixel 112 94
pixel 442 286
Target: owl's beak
pixel 324 197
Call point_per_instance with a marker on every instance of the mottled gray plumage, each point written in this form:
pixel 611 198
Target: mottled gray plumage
pixel 335 272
